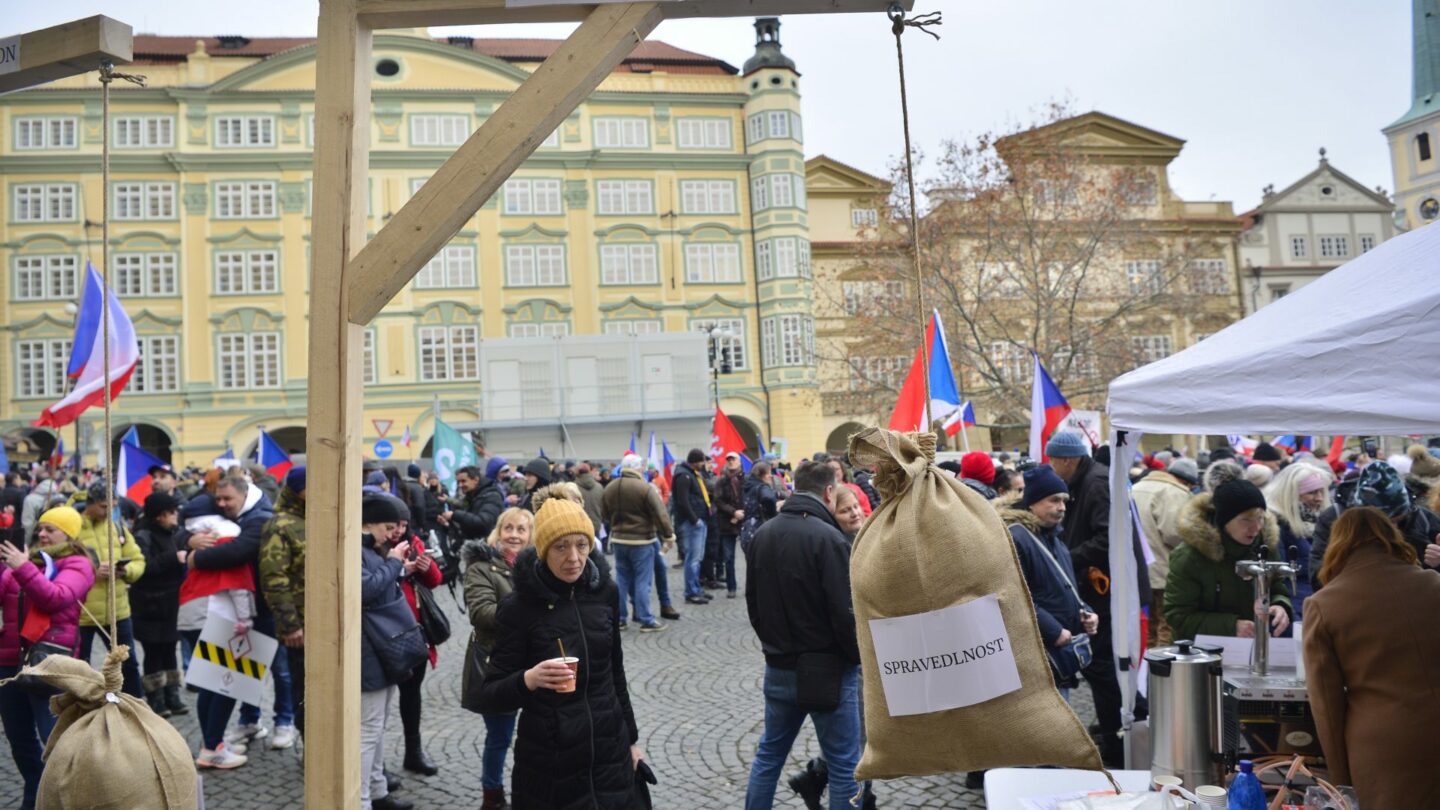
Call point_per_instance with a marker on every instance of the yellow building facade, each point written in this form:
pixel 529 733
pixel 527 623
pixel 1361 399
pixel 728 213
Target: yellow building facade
pixel 672 200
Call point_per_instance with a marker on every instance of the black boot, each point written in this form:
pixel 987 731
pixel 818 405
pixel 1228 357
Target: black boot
pixel 810 783
pixel 391 803
pixel 172 694
pixel 392 782
pixel 416 760
pixel 156 699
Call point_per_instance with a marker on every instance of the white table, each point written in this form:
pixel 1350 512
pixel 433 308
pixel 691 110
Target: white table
pixel 1005 787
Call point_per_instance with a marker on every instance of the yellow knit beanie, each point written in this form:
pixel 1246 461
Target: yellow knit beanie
pixel 558 518
pixel 63 518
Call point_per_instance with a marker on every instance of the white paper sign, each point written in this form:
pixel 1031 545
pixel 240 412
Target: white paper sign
pixel 1235 652
pixel 9 54
pixel 945 659
pixel 231 665
pixel 1086 423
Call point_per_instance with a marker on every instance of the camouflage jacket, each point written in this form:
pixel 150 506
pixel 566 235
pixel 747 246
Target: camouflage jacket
pixel 282 563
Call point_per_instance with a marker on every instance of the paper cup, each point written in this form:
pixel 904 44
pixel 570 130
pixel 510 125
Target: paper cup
pixel 574 665
pixel 1210 796
pixel 1165 780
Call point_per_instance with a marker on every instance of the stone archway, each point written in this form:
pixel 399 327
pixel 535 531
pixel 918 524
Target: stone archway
pixel 750 434
pixel 838 442
pixel 26 444
pixel 153 440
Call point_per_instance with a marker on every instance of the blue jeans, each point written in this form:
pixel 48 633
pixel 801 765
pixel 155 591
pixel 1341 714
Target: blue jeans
pixel 633 567
pixel 125 634
pixel 499 733
pixel 692 541
pixel 28 722
pixel 662 578
pixel 838 732
pixel 284 709
pixel 727 556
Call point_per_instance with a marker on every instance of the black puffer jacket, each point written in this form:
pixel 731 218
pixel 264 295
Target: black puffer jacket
pixel 475 515
pixel 572 751
pixel 1420 528
pixel 155 597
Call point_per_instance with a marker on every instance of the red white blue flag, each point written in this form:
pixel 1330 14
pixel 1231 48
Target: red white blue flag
pixel 272 457
pixel 87 353
pixel 668 467
pixel 1048 409
pixel 724 440
pixel 132 473
pixel 1294 444
pixel 967 414
pixel 911 412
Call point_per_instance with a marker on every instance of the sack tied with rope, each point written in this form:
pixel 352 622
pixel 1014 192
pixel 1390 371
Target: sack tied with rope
pixel 945 621
pixel 109 751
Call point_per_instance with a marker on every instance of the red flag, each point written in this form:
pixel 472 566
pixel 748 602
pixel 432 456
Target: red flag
pixel 1337 447
pixel 725 439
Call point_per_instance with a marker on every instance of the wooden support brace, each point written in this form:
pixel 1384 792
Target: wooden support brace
pixel 333 451
pixel 68 49
pixel 479 167
pixel 414 13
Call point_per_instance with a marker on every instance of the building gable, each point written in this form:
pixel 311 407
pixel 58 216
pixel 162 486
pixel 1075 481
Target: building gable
pixel 826 176
pixel 1310 192
pixel 1099 135
pixel 422 65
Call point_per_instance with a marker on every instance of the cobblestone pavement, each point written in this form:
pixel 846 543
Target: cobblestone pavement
pixel 696 691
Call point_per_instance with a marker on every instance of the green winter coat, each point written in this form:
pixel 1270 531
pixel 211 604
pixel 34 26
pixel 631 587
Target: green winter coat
pixel 282 563
pixel 1203 594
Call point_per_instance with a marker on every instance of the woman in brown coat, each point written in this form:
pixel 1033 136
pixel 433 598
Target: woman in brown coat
pixel 1373 663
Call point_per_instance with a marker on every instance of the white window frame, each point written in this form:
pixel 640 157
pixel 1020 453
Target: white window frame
pixel 1367 242
pixel 142 200
pixel 760 193
pixel 777 123
pixel 629 264
pixel 707 197
pixel 1209 276
pixel 45 202
pixel 40 368
pixel 145 274
pixel 550 329
pixel 888 371
pixel 533 196
pixel 158 371
pixel 864 217
pixel 1334 246
pixel 452 268
pixel 713 263
pixel 739 355
pixel 787 340
pixel 633 326
pixel 857 294
pixel 621 132
pixel 244 131
pixel 448 353
pixel 1150 348
pixel 439 129
pixel 755 128
pixel 39 132
pixel 368 371
pixel 624 197
pixel 250 268
pixel 782 257
pixel 254 361
pixel 143 132
pixel 764 260
pixel 1013 362
pixel 552 141
pixel 1145 276
pixel 246 199
pixel 523 265
pixel 45 277
pixel 1299 247
pixel 704 133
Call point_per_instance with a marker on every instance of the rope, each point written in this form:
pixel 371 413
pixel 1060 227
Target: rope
pixel 108 75
pixel 899 23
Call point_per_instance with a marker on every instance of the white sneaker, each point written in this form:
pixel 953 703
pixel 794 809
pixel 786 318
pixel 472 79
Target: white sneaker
pixel 284 737
pixel 247 733
pixel 222 757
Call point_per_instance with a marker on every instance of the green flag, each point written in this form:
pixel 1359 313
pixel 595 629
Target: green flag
pixel 452 451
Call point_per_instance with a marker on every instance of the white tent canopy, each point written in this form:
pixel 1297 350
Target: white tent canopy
pixel 1354 352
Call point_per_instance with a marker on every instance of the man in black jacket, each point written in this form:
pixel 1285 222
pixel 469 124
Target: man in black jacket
pixel 480 506
pixel 690 500
pixel 797 591
pixel 1380 486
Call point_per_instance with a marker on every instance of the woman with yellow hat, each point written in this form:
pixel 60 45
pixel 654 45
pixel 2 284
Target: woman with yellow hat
pixel 40 595
pixel 558 661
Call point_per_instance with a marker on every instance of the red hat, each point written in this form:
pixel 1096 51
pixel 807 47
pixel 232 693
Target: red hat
pixel 977 466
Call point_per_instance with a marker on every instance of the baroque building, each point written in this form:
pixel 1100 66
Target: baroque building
pixel 672 202
pixel 1415 136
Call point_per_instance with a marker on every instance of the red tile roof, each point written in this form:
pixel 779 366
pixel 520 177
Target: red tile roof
pixel 647 56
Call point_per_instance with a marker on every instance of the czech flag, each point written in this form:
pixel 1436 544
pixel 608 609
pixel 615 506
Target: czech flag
pixel 1048 408
pixel 631 451
pixel 724 440
pixel 405 440
pixel 272 457
pixel 1243 445
pixel 87 354
pixel 1294 444
pixel 57 456
pixel 910 412
pixel 132 473
pixel 227 461
pixel 668 468
pixel 132 436
pixel 967 414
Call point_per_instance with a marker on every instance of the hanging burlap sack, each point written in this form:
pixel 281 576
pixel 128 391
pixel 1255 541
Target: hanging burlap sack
pixel 947 687
pixel 109 751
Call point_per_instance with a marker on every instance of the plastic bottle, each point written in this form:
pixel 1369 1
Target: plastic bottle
pixel 1245 792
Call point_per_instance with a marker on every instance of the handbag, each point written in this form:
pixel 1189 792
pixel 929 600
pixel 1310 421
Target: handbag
pixel 39 652
pixel 1066 662
pixel 433 620
pixel 817 681
pixel 474 676
pixel 644 778
pixel 396 638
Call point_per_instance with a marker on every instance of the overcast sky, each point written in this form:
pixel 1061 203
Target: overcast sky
pixel 1255 88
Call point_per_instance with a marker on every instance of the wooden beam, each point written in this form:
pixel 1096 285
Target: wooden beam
pixel 478 168
pixel 332 443
pixel 418 13
pixel 63 50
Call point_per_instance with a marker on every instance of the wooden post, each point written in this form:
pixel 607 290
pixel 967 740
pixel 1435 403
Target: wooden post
pixel 332 443
pixel 68 49
pixel 483 163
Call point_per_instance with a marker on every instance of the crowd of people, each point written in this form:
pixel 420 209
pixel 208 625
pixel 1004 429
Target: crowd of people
pixel 556 558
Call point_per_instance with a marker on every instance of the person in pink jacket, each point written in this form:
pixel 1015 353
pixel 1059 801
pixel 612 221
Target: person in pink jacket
pixel 40 595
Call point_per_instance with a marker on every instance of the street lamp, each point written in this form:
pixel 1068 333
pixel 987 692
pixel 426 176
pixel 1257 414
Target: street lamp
pixel 721 361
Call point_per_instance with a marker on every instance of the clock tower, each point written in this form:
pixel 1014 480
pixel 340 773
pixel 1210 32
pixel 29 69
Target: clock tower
pixel 1415 137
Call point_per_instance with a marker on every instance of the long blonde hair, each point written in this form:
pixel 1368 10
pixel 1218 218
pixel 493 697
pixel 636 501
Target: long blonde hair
pixel 1283 496
pixel 513 513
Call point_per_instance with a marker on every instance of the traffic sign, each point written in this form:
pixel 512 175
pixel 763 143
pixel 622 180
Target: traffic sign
pixel 383 448
pixel 382 426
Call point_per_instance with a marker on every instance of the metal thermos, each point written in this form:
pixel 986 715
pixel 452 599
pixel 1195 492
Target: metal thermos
pixel 1187 733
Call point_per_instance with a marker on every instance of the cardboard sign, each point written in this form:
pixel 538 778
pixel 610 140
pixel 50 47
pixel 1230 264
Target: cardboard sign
pixel 231 665
pixel 945 659
pixel 1086 423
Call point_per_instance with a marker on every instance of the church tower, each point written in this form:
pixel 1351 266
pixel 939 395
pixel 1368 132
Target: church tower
pixel 1415 137
pixel 774 140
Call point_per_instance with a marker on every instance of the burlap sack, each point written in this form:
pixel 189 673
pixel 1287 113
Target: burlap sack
pixel 932 544
pixel 109 751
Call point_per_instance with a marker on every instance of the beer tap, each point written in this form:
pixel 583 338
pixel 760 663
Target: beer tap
pixel 1262 574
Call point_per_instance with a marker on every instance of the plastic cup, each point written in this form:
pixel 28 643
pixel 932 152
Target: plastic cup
pixel 574 665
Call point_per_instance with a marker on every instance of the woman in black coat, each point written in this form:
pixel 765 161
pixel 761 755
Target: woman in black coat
pixel 575 746
pixel 155 600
